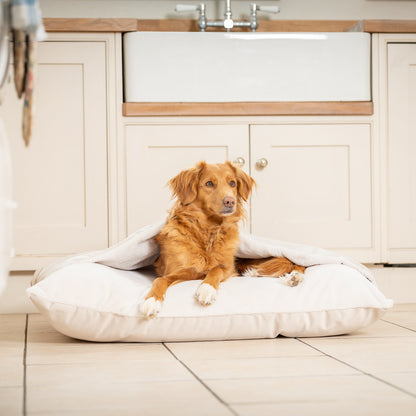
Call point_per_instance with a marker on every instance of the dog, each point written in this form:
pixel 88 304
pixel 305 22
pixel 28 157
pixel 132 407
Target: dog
pixel 201 236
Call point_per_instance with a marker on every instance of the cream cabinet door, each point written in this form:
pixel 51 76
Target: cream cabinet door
pixel 316 187
pixel 60 180
pixel 156 153
pixel 401 151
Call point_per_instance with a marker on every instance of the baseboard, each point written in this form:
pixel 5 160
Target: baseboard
pixel 396 283
pixel 14 298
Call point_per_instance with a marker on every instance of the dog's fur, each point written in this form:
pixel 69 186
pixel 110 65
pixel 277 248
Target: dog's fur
pixel 200 238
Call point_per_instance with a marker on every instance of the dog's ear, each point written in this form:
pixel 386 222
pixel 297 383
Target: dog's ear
pixel 245 182
pixel 184 186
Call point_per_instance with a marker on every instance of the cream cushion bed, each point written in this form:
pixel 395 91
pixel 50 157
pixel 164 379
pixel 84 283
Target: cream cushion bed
pixel 96 296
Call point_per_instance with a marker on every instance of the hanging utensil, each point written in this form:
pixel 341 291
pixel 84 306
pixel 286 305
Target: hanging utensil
pixel 29 83
pixel 19 55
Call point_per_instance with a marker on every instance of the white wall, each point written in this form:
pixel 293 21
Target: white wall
pixel 290 9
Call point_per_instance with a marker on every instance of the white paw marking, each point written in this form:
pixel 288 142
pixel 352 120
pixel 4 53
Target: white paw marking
pixel 251 272
pixel 205 294
pixel 292 278
pixel 150 307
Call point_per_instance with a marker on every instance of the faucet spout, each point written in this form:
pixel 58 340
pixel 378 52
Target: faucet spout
pixel 228 8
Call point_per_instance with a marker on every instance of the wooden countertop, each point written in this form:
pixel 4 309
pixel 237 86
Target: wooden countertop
pixel 182 25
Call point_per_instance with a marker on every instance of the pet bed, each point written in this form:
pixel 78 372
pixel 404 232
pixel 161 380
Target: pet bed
pixel 96 296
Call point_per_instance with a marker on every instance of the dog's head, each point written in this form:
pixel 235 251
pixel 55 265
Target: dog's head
pixel 216 189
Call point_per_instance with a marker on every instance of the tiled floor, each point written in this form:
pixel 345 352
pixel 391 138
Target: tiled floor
pixel 371 372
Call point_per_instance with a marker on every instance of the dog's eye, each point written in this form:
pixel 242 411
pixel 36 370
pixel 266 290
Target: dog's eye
pixel 232 184
pixel 209 184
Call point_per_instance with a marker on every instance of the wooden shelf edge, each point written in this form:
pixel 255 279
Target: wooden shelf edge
pixel 249 109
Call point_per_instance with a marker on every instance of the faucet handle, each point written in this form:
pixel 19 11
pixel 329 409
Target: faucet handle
pixel 267 9
pixel 187 7
pixel 202 21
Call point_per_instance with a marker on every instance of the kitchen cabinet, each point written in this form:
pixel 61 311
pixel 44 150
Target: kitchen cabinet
pixel 395 86
pixel 60 180
pixel 316 188
pixel 399 165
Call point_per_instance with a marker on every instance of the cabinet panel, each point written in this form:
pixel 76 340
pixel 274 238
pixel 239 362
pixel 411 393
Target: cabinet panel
pixel 316 188
pixel 401 150
pixel 60 180
pixel 156 153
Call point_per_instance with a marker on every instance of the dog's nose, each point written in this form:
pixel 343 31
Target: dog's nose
pixel 228 202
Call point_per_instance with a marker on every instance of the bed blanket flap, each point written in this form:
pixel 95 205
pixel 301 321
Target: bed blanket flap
pixel 252 246
pixel 140 250
pixel 136 251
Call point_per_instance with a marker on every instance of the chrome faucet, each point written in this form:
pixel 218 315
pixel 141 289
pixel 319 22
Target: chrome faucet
pixel 227 23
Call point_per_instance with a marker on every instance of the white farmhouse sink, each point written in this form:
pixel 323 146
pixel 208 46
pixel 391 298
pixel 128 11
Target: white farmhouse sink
pixel 230 67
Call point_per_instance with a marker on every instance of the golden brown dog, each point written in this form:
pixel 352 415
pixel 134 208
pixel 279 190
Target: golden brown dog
pixel 200 238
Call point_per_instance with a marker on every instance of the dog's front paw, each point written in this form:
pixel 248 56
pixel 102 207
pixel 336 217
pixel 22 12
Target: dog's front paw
pixel 150 307
pixel 292 279
pixel 205 294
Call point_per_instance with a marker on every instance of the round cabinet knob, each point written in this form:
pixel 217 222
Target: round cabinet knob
pixel 239 161
pixel 261 163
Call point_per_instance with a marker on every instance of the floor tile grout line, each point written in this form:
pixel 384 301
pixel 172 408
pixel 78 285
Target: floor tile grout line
pixel 361 371
pixel 280 377
pixel 24 367
pixel 400 326
pixel 202 382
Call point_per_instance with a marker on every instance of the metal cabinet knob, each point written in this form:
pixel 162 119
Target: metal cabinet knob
pixel 239 161
pixel 261 163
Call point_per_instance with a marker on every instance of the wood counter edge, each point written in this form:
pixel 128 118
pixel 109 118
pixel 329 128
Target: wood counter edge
pixel 89 25
pixel 183 25
pixel 315 108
